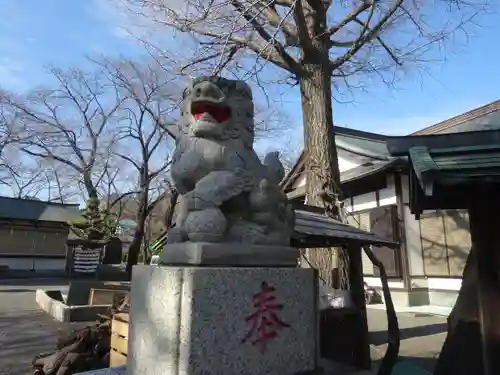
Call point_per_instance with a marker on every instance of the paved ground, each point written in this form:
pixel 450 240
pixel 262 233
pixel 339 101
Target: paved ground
pixel 422 337
pixel 425 309
pixel 26 331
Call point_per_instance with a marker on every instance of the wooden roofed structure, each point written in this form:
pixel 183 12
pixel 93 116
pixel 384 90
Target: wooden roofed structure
pixel 344 332
pixel 462 171
pixel 313 229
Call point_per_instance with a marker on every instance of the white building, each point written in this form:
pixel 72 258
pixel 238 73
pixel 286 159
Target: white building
pixel 428 266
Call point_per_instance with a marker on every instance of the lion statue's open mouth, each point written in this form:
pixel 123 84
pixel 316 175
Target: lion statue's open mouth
pixel 217 112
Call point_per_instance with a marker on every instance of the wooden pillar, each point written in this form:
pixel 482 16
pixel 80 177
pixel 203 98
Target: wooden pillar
pixel 358 298
pixel 402 255
pixel 485 235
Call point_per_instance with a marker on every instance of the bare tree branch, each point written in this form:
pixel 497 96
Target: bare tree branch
pixel 143 143
pixel 69 124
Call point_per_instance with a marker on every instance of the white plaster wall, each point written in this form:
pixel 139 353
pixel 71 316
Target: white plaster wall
pixel 368 201
pixel 33 263
pixel 364 202
pixel 387 196
pixel 444 283
pixel 419 282
pixel 376 282
pixel 412 233
pixel 441 283
pixel 413 243
pixel 344 165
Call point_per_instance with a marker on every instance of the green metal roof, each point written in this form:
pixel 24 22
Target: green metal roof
pixel 455 165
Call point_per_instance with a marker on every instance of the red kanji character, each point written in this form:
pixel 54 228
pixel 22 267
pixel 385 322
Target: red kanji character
pixel 265 322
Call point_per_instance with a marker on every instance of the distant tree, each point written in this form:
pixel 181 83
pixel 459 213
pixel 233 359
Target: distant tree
pixel 145 141
pixel 96 223
pixel 70 123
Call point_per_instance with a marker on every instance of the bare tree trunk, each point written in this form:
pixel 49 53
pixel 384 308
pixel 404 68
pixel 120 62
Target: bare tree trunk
pixel 89 186
pixel 142 214
pixel 319 144
pixel 169 214
pixel 147 239
pixel 319 139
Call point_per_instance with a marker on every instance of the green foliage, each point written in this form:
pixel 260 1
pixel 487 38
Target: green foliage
pixel 96 223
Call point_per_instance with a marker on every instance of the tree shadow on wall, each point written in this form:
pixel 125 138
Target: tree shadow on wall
pixel 441 255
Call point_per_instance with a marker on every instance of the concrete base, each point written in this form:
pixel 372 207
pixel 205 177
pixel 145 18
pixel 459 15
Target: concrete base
pixel 446 298
pixel 199 320
pixel 56 308
pixel 216 254
pixel 416 297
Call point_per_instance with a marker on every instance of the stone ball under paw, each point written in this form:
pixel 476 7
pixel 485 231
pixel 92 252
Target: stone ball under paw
pixel 206 226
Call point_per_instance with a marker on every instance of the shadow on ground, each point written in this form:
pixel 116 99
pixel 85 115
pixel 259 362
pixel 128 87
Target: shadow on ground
pixel 23 335
pixel 19 282
pixel 380 337
pixel 16 290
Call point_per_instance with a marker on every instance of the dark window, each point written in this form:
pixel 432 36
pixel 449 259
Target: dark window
pixel 384 223
pixel 381 221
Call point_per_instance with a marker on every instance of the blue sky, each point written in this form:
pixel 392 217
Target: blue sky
pixel 34 34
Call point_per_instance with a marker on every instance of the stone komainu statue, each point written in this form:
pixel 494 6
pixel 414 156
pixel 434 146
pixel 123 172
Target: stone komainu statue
pixel 226 193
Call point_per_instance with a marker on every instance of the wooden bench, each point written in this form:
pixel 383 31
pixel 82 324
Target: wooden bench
pixel 119 340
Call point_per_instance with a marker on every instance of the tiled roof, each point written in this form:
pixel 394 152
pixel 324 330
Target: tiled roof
pixel 316 230
pixel 27 209
pixel 451 158
pixel 368 146
pixel 356 173
pixel 486 117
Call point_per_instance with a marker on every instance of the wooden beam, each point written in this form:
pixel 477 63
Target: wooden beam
pixel 356 281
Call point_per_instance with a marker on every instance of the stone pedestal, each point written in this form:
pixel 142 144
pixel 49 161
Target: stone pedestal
pixel 235 255
pixel 223 321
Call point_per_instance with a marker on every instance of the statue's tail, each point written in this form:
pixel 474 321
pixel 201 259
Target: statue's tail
pixel 275 170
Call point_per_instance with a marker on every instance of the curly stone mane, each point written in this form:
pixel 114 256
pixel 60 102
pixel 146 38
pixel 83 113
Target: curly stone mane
pixel 238 97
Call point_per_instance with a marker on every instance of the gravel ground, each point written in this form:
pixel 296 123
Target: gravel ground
pixel 26 331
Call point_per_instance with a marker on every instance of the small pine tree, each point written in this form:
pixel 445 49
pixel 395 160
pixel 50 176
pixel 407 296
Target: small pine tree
pixel 96 224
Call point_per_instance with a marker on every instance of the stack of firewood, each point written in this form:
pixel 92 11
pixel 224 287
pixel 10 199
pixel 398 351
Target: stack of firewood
pixel 81 350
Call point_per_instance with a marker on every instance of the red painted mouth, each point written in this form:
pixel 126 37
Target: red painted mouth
pixel 218 112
